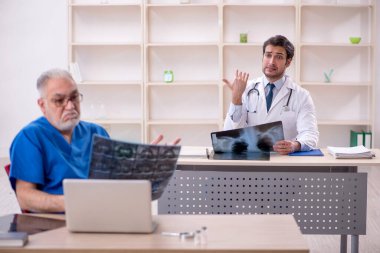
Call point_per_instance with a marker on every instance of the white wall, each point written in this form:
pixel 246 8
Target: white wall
pixel 377 88
pixel 33 38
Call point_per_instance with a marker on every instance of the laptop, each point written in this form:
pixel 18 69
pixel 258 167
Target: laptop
pixel 248 143
pixel 111 206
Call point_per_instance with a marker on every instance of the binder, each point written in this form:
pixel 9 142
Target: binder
pixel 357 138
pixel 361 138
pixel 367 140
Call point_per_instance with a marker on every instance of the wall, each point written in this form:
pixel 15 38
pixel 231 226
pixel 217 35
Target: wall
pixel 377 88
pixel 33 38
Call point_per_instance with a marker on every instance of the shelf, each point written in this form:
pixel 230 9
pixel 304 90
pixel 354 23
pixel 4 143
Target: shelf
pixel 107 44
pixel 104 63
pixel 177 103
pixel 335 84
pixel 182 44
pixel 177 25
pixel 259 2
pixel 315 27
pixel 249 19
pixel 344 122
pixel 182 84
pixel 115 121
pixel 202 60
pixel 183 122
pixel 111 83
pixel 350 64
pixel 116 23
pixel 347 44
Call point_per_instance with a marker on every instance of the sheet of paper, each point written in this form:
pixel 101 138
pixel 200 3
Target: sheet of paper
pixel 193 151
pixel 8 200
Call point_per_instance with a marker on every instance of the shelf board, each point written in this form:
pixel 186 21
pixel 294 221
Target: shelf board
pixel 344 122
pixel 183 5
pixel 96 44
pixel 249 44
pixel 105 5
pixel 182 44
pixel 184 83
pixel 328 44
pixel 336 84
pixel 337 5
pixel 115 121
pixel 259 5
pixel 107 83
pixel 183 122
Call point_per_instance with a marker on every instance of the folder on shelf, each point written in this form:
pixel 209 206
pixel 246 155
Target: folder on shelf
pixel 367 140
pixel 313 152
pixel 361 138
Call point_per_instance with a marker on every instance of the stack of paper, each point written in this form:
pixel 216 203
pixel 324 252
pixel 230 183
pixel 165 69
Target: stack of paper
pixel 350 152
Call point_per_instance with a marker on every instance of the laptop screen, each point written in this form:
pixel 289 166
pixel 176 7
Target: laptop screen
pixel 111 159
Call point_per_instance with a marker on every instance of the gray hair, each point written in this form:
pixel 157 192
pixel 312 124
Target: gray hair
pixel 51 74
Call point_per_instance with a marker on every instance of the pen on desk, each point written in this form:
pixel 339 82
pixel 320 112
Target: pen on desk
pixel 207 154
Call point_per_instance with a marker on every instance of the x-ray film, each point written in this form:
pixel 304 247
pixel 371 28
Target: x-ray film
pixel 111 159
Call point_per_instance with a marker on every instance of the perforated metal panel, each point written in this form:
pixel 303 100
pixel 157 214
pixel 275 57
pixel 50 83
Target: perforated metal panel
pixel 322 203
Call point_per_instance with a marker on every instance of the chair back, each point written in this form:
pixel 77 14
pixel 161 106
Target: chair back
pixel 7 168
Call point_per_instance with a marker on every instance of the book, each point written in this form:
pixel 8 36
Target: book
pixel 13 239
pixel 350 152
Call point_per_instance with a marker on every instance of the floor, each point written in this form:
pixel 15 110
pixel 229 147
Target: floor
pixel 368 243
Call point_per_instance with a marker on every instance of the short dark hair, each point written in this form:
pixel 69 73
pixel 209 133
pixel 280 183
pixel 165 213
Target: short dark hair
pixel 280 41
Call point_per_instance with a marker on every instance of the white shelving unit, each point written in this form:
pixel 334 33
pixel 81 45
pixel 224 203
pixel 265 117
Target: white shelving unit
pixel 106 40
pixel 123 48
pixel 183 38
pixel 345 103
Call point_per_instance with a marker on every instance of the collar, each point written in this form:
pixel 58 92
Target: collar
pixel 279 83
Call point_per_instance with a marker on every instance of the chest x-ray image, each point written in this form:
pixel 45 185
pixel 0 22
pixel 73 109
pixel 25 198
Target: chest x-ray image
pixel 260 138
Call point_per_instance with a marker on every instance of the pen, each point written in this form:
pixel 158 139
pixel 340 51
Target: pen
pixel 207 154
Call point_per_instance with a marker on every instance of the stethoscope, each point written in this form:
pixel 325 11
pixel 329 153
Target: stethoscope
pixel 254 89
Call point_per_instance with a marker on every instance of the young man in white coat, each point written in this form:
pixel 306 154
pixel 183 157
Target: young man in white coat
pixel 274 97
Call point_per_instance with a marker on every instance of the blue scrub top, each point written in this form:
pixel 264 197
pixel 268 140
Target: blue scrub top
pixel 39 154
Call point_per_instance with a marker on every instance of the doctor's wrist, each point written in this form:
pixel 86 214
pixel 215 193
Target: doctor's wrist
pixel 296 146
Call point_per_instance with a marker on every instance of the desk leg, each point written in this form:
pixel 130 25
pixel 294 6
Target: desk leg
pixel 354 243
pixel 343 244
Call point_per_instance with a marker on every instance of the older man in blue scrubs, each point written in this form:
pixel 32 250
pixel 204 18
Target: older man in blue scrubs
pixel 53 147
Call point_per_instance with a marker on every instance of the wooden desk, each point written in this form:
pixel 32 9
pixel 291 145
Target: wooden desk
pixel 225 233
pixel 276 160
pixel 325 195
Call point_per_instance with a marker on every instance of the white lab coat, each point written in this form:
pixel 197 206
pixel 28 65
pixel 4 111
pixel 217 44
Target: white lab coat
pixel 299 119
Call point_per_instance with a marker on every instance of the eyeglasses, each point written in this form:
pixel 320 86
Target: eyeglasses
pixel 63 101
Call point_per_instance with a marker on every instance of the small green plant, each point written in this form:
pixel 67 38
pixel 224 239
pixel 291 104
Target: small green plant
pixel 328 76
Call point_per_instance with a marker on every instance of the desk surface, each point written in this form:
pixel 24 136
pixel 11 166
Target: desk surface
pixel 225 233
pixel 197 156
